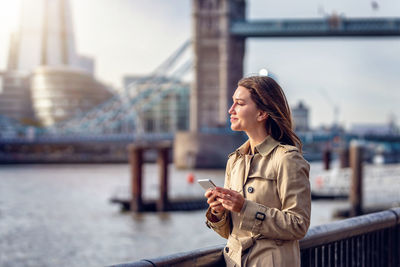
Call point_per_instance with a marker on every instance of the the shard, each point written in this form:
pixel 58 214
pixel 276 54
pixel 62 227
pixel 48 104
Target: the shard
pixel 46 80
pixel 45 37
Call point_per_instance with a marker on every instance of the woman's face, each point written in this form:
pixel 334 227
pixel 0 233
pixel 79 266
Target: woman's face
pixel 244 112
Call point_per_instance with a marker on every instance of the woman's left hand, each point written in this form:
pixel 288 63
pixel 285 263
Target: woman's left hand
pixel 230 199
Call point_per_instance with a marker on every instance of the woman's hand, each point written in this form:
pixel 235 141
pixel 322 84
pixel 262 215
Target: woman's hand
pixel 212 201
pixel 230 199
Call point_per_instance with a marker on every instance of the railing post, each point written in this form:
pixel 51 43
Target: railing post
pixel 162 162
pixel 136 164
pixel 396 238
pixel 356 158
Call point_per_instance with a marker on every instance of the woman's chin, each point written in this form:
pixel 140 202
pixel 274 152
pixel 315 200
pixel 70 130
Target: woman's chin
pixel 234 128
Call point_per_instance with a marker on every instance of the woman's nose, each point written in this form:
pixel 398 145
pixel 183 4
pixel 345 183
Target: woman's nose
pixel 231 109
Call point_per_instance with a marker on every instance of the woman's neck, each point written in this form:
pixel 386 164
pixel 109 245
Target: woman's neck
pixel 256 138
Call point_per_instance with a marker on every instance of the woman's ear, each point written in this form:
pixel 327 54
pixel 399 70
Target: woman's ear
pixel 262 115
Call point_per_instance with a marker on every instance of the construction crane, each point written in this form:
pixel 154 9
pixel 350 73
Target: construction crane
pixel 334 106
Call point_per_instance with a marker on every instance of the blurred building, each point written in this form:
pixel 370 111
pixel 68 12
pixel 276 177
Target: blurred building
pixel 168 114
pixel 45 77
pixel 61 93
pixel 374 129
pixel 300 117
pixel 171 114
pixel 15 96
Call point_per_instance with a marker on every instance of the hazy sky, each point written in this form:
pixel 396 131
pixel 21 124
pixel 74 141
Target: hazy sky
pixel 359 75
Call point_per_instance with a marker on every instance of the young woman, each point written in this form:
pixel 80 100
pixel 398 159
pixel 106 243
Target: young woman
pixel 265 205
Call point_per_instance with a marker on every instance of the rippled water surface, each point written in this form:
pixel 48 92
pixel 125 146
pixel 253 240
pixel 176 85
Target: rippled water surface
pixel 60 215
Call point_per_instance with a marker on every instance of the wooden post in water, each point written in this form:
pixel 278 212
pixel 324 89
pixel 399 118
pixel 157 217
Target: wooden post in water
pixel 356 158
pixel 327 158
pixel 162 162
pixel 344 157
pixel 136 163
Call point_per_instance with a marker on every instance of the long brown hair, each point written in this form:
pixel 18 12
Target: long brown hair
pixel 269 97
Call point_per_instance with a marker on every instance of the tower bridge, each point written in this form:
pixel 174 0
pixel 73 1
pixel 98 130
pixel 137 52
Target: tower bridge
pixel 220 32
pixel 219 38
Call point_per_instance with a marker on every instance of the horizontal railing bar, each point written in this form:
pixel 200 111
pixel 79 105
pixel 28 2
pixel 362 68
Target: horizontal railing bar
pixel 210 256
pixel 327 233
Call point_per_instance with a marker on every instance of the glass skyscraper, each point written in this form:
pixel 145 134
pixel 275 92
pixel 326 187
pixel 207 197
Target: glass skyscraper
pixel 45 37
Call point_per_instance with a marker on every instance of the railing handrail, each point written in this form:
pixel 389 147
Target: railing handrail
pixel 316 236
pixel 200 257
pixel 343 229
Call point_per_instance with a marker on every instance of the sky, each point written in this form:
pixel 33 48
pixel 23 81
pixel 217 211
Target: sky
pixel 358 76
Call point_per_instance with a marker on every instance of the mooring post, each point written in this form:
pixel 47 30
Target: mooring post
pixel 356 158
pixel 136 163
pixel 327 158
pixel 344 157
pixel 162 162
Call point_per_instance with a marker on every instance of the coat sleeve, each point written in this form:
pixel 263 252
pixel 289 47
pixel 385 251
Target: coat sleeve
pixel 223 225
pixel 291 222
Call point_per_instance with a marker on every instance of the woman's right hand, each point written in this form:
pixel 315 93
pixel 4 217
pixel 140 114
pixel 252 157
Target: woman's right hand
pixel 215 205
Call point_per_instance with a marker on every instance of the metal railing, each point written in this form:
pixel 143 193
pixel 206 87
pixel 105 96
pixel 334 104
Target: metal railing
pixel 368 240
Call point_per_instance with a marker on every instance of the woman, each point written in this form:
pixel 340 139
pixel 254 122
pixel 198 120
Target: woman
pixel 265 205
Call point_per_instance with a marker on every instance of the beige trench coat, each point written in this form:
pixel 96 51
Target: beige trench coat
pixel 276 214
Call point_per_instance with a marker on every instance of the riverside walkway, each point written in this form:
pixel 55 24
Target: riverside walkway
pixel 367 240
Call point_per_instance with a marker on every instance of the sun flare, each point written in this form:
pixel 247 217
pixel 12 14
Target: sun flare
pixel 9 15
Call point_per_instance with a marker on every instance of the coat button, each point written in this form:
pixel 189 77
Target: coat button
pixel 226 249
pixel 250 189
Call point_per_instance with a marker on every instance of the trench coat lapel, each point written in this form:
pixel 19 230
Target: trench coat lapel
pixel 241 153
pixel 246 169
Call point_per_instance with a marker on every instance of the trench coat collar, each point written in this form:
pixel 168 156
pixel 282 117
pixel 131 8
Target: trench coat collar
pixel 264 148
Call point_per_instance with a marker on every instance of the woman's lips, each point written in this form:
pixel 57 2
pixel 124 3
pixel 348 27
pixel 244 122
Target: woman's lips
pixel 233 119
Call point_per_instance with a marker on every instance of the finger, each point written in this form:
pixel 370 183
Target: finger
pixel 224 196
pixel 233 205
pixel 222 190
pixel 218 208
pixel 211 200
pixel 208 193
pixel 215 204
pixel 227 206
pixel 226 202
pixel 227 192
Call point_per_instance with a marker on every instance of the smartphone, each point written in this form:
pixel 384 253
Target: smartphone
pixel 206 184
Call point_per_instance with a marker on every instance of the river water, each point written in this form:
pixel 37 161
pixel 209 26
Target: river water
pixel 60 215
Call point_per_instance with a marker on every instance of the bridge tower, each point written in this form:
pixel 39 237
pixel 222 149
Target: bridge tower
pixel 218 65
pixel 218 61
